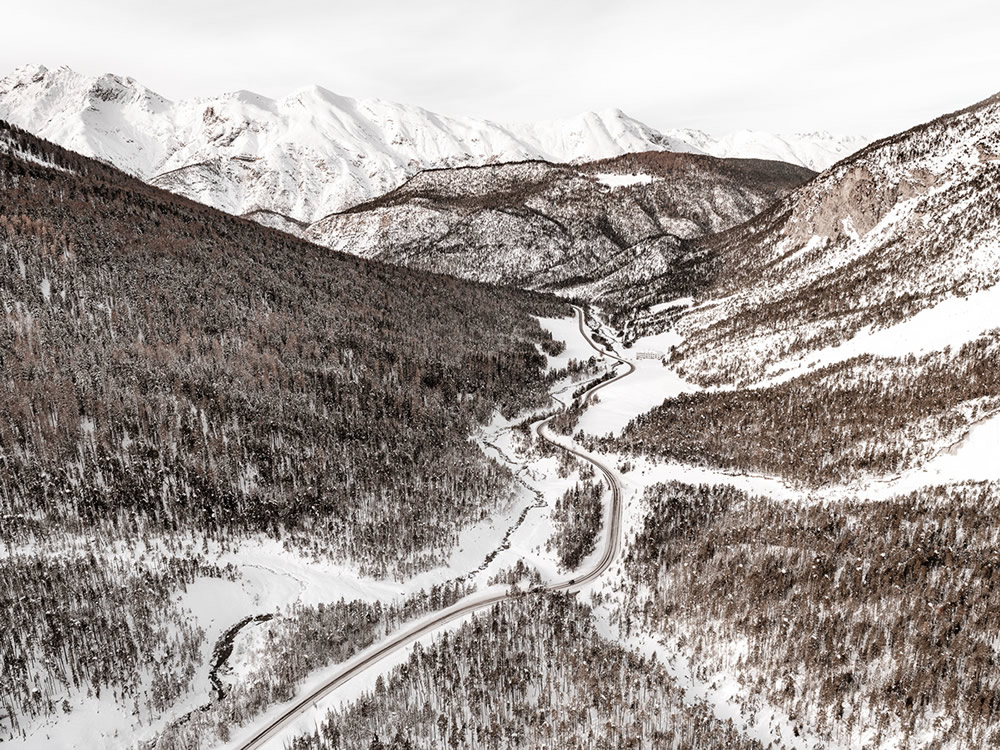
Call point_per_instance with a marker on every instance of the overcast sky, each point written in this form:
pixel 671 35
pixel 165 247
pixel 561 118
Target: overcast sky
pixel 851 66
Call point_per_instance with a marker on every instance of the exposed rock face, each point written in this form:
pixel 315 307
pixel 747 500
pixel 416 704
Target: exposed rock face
pixel 855 204
pixel 904 224
pixel 857 201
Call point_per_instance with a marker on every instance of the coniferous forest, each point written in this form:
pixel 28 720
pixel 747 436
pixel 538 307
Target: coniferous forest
pixel 170 374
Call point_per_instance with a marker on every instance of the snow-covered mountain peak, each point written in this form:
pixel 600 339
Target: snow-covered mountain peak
pixel 249 98
pixel 306 96
pixel 817 150
pixel 64 82
pixel 314 151
pixel 22 74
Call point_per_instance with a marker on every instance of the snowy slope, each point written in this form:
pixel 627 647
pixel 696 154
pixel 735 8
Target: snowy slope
pixel 816 151
pixel 313 152
pixel 585 229
pixel 903 226
pixel 306 155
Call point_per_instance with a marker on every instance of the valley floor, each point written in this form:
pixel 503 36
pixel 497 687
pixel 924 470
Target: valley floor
pixel 266 578
pixel 721 682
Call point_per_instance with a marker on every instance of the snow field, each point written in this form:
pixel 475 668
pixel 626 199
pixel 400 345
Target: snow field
pixel 566 330
pixel 624 180
pixel 814 150
pixel 685 302
pixel 950 323
pixel 646 388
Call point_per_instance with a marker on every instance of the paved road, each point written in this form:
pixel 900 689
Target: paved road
pixel 604 352
pixel 399 640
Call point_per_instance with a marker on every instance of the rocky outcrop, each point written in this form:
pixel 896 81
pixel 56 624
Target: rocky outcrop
pixel 904 224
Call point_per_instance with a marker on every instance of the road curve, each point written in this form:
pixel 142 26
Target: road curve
pixel 367 659
pixel 603 353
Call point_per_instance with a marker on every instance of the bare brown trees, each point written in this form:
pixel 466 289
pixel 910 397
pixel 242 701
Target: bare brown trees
pixel 855 613
pixel 528 673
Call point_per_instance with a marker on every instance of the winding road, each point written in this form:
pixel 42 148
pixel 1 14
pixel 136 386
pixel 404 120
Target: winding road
pixel 366 659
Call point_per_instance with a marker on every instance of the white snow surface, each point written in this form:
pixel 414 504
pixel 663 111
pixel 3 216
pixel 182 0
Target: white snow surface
pixel 817 151
pixel 624 180
pixel 976 457
pixel 306 155
pixel 952 322
pixel 684 302
pixel 645 389
pixel 314 152
pixel 566 330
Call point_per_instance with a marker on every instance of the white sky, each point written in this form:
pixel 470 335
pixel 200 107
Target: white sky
pixel 871 67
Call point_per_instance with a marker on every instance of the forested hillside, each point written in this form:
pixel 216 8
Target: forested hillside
pixel 595 228
pixel 171 372
pixel 905 224
pixel 872 621
pixel 531 673
pixel 868 415
pixel 168 366
pixel 849 330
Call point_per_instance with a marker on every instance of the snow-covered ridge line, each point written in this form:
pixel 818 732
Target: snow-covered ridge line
pixel 314 152
pixel 818 151
pixel 306 155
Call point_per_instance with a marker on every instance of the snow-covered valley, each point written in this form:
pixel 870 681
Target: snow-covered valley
pixel 724 688
pixel 374 481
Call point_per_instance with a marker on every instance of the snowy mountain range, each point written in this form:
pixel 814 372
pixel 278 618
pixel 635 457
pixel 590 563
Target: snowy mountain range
pixel 313 152
pixel 244 468
pixel 817 151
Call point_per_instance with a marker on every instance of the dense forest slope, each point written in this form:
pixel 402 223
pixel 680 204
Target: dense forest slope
pixel 169 360
pixel 169 372
pixel 870 620
pixel 591 228
pixel 554 681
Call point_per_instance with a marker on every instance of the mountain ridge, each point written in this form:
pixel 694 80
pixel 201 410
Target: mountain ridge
pixel 311 153
pixel 579 229
pixel 817 150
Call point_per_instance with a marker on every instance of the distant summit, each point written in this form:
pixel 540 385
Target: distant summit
pixel 314 152
pixel 817 151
